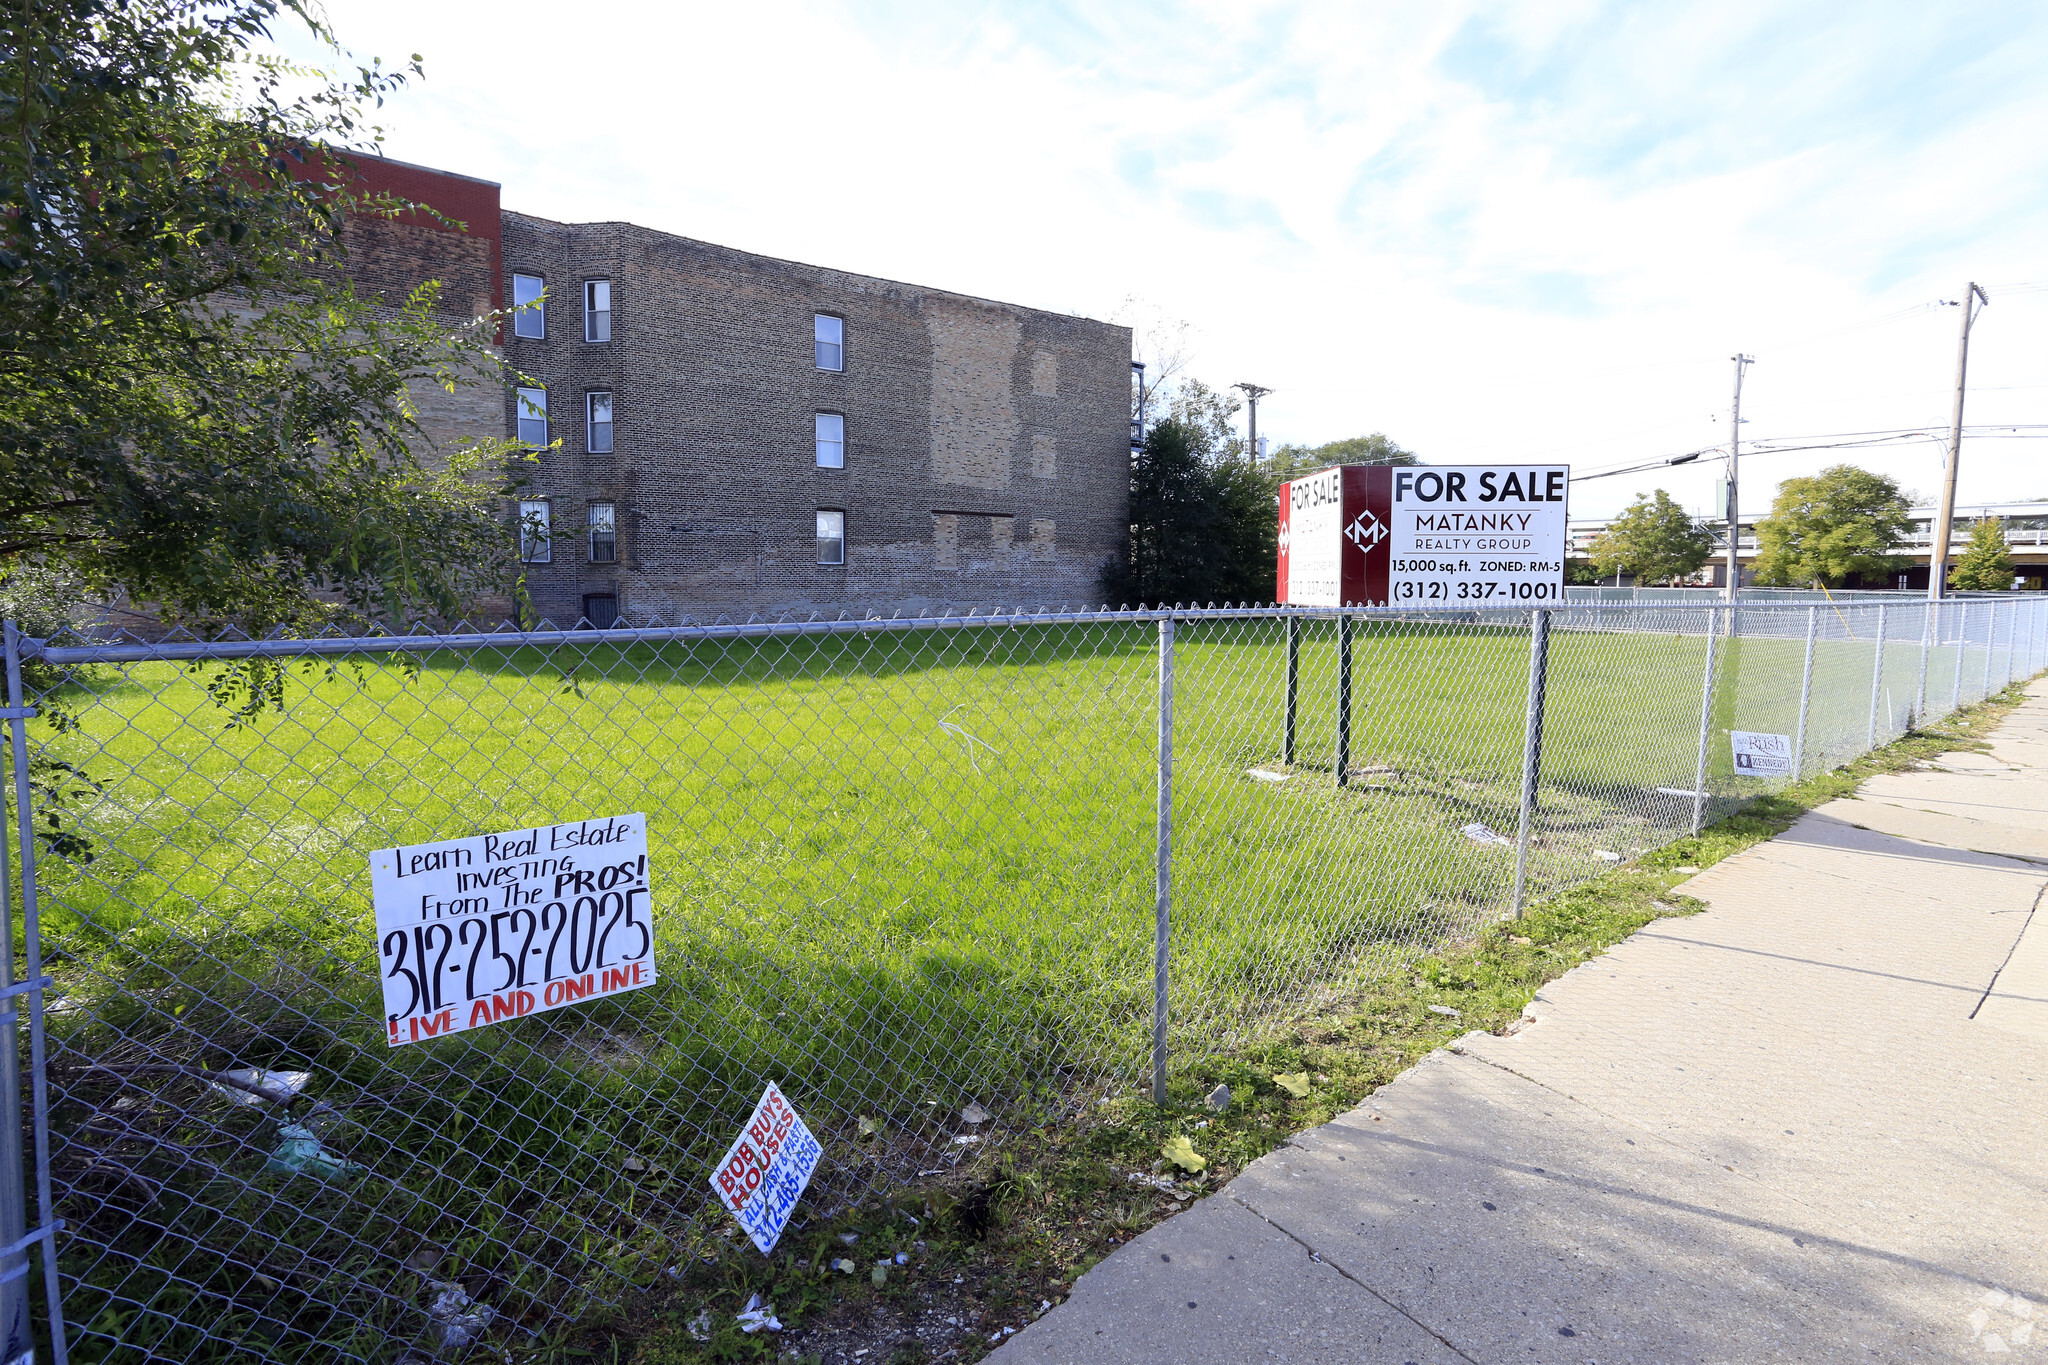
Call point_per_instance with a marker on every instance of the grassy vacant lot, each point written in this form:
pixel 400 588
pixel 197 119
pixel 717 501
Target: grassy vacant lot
pixel 895 873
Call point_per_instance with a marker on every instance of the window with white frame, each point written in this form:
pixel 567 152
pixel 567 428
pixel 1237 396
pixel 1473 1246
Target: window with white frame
pixel 529 316
pixel 604 533
pixel 597 434
pixel 532 409
pixel 534 546
pixel 829 335
pixel 831 440
pixel 831 536
pixel 597 310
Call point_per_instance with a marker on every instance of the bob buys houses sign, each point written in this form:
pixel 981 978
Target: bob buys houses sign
pixel 1424 536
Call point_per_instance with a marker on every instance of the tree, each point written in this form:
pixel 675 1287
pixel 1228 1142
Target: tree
pixel 1654 539
pixel 1986 563
pixel 1201 530
pixel 196 407
pixel 1827 526
pixel 1291 461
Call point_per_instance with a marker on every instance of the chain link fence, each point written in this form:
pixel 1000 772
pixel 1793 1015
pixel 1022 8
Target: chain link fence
pixel 900 868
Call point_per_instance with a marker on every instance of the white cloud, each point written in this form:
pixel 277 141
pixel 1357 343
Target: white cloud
pixel 1491 231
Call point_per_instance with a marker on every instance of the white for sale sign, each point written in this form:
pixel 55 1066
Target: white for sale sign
pixel 1424 535
pixel 766 1169
pixel 497 926
pixel 1761 755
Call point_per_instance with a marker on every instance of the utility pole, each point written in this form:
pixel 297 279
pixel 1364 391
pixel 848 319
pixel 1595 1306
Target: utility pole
pixel 1937 562
pixel 1254 392
pixel 1742 362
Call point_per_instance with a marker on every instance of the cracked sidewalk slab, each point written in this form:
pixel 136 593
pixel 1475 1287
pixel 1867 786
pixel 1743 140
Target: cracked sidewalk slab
pixel 1773 1131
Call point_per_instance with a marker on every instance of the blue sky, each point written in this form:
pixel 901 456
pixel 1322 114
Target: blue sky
pixel 1492 231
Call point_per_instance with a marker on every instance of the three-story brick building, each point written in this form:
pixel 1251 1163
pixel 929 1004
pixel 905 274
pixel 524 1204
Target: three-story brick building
pixel 732 433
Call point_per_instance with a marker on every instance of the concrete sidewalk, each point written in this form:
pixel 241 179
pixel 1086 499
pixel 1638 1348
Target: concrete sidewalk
pixel 1809 1124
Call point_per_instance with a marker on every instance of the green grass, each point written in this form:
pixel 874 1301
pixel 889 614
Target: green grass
pixel 893 873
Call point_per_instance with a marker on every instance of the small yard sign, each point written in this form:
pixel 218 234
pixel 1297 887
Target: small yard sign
pixel 765 1170
pixel 497 926
pixel 1424 536
pixel 1761 755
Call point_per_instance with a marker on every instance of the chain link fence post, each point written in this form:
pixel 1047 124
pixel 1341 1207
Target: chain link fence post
pixel 1926 640
pixel 1162 875
pixel 1293 688
pixel 1876 682
pixel 1962 619
pixel 1699 779
pixel 1805 696
pixel 1343 700
pixel 14 1315
pixel 1532 747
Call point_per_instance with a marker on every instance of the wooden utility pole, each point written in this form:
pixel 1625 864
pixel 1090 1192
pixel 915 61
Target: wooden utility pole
pixel 1938 534
pixel 1254 392
pixel 1734 455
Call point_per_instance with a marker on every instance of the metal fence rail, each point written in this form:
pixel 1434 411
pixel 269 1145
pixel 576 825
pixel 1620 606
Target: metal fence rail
pixel 911 871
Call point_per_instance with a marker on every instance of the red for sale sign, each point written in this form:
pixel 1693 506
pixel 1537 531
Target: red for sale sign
pixel 1424 535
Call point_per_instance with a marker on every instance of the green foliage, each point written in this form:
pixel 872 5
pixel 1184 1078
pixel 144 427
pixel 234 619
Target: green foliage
pixel 1581 573
pixel 1290 461
pixel 1986 565
pixel 1202 529
pixel 1654 540
pixel 1827 526
pixel 195 405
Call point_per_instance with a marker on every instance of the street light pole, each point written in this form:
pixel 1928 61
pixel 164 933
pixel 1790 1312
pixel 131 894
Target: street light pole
pixel 1734 455
pixel 1254 392
pixel 1937 561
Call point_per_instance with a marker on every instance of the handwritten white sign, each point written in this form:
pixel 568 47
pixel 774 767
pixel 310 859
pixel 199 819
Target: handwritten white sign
pixel 765 1171
pixel 499 926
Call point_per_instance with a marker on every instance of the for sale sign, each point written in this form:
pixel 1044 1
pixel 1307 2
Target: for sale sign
pixel 497 926
pixel 1761 755
pixel 1428 536
pixel 764 1172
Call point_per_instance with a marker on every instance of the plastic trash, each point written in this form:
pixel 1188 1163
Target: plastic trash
pixel 974 1113
pixel 699 1327
pixel 300 1152
pixel 843 1265
pixel 1604 856
pixel 1446 1010
pixel 278 1087
pixel 1479 833
pixel 458 1319
pixel 1261 775
pixel 758 1316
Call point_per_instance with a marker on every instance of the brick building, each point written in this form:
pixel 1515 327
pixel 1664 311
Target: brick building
pixel 743 434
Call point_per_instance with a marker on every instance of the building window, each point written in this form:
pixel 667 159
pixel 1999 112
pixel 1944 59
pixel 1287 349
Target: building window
pixel 601 610
pixel 830 335
pixel 831 537
pixel 534 546
pixel 597 432
pixel 529 316
pixel 604 534
pixel 597 310
pixel 532 408
pixel 831 441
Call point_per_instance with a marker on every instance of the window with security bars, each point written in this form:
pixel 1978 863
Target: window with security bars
pixel 529 316
pixel 532 410
pixel 597 310
pixel 604 539
pixel 829 339
pixel 597 436
pixel 831 440
pixel 534 546
pixel 831 536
